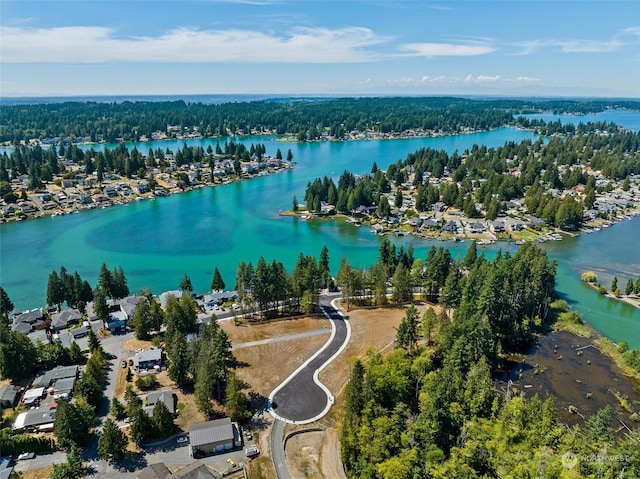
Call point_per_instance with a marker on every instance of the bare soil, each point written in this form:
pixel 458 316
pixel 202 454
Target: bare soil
pixel 310 454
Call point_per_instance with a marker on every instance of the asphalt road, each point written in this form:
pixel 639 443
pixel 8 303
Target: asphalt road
pixel 277 450
pixel 301 399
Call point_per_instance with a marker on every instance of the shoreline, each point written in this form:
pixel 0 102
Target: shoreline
pixel 631 300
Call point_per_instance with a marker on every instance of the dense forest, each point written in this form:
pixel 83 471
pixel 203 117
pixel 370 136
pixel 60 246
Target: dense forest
pixel 490 177
pixel 430 408
pixel 96 121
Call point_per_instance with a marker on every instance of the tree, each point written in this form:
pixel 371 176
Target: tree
pixel 105 281
pixel 629 288
pixel 401 285
pixel 6 305
pixel 295 204
pixel 94 341
pixel 143 320
pixel 398 199
pixel 185 283
pixel 346 276
pixel 100 306
pixel 112 443
pixel 18 355
pixel 614 283
pixel 71 426
pixel 289 156
pixel 179 359
pixel 117 409
pixel 236 403
pixel 76 356
pixel 55 290
pixel 162 420
pixel 407 333
pixel 72 469
pixel 217 283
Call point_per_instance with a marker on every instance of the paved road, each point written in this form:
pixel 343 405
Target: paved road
pixel 277 450
pixel 300 398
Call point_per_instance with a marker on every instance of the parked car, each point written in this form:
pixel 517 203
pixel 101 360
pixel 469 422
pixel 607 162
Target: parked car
pixel 26 455
pixel 123 364
pixel 130 362
pixel 182 440
pixel 231 463
pixel 252 451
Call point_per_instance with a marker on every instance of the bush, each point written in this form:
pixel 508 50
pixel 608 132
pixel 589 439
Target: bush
pixel 145 383
pixel 24 443
pixel 602 290
pixel 589 277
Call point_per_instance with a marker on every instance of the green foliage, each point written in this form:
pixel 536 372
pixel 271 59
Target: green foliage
pixel 117 409
pixel 72 469
pixel 589 277
pixel 236 401
pixel 19 443
pixel 18 355
pixel 146 383
pixel 162 420
pixel 112 443
pixel 72 423
pixel 217 283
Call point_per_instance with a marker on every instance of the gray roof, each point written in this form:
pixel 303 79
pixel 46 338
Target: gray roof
pixel 35 417
pixel 9 393
pixel 128 304
pixel 64 385
pixel 80 331
pixel 165 396
pixel 195 470
pixel 44 380
pixel 148 355
pixel 154 471
pixel 218 430
pixel 64 317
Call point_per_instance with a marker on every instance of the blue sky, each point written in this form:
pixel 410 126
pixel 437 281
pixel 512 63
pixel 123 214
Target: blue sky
pixel 505 48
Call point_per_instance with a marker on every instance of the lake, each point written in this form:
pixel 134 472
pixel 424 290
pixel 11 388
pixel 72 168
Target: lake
pixel 156 242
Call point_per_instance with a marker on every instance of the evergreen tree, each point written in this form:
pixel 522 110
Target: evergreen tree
pixel 162 420
pixel 18 355
pixel 112 443
pixel 614 283
pixel 100 306
pixel 185 283
pixel 407 333
pixel 105 281
pixel 6 305
pixel 55 290
pixel 72 469
pixel 71 426
pixel 179 360
pixel 236 403
pixel 217 283
pixel 401 285
pixel 629 288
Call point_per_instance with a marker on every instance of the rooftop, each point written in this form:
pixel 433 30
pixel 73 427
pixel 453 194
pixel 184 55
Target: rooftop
pixel 218 430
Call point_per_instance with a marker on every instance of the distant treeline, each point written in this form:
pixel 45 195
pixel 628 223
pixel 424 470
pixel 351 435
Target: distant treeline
pixel 131 120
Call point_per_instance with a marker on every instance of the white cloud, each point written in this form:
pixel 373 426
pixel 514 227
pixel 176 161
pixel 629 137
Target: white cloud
pixel 447 49
pixel 482 78
pixel 618 41
pixel 527 79
pixel 98 44
pixel 588 46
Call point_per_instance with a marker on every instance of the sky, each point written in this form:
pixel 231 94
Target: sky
pixel 306 47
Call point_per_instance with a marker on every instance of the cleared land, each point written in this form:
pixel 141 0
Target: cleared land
pixel 312 454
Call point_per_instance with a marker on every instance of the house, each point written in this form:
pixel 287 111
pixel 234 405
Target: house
pixel 117 321
pixel 142 187
pixel 9 210
pixel 154 471
pixel 497 226
pixel 47 379
pixel 164 297
pixel 63 388
pixel 5 467
pixel 165 396
pixel 148 358
pixel 195 470
pixel 80 332
pixel 214 298
pixel 128 304
pixel 9 395
pixel 33 396
pixel 64 318
pixel 429 224
pixel 28 321
pixel 450 227
pixel 475 228
pixel 39 419
pixel 213 437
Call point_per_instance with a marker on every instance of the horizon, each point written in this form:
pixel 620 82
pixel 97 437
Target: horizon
pixel 280 47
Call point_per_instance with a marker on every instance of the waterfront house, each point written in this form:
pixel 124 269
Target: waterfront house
pixel 64 318
pixel 28 321
pixel 164 297
pixel 117 321
pixel 128 304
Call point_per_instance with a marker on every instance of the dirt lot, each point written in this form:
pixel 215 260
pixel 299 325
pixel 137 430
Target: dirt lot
pixel 312 454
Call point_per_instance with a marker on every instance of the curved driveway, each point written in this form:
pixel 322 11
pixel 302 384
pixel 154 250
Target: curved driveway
pixel 302 398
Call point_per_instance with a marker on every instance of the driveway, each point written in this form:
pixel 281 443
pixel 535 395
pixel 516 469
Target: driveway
pixel 301 398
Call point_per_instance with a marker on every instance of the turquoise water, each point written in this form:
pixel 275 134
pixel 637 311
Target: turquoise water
pixel 156 242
